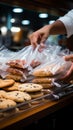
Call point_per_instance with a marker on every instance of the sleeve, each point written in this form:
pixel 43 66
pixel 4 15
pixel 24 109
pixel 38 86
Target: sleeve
pixel 67 20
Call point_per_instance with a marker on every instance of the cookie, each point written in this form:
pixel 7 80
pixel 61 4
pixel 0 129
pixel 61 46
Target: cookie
pixel 16 77
pixel 18 96
pixel 6 82
pixel 42 73
pixel 30 87
pixel 46 85
pixel 14 87
pixel 6 103
pixel 14 71
pixel 17 63
pixel 42 80
pixel 36 94
pixel 35 63
pixel 2 94
pixel 27 96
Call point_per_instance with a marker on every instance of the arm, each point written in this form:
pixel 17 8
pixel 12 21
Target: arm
pixel 41 35
pixel 57 28
pixel 64 25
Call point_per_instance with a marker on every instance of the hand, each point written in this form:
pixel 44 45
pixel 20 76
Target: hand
pixel 40 36
pixel 69 75
pixel 69 58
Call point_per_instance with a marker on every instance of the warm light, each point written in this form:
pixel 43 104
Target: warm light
pixel 17 10
pixel 25 22
pixel 15 29
pixel 43 15
pixel 12 20
pixel 4 30
pixel 51 21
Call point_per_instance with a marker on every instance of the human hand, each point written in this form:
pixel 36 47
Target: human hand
pixel 39 36
pixel 69 74
pixel 69 57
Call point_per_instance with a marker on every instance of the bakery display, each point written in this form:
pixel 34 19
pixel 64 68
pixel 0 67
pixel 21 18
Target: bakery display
pixel 26 83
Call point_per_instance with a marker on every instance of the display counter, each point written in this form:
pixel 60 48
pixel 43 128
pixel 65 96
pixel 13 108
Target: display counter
pixel 26 113
pixel 36 111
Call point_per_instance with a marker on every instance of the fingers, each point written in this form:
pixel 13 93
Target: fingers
pixel 41 47
pixel 69 75
pixel 34 40
pixel 37 37
pixel 69 58
pixel 34 44
pixel 43 38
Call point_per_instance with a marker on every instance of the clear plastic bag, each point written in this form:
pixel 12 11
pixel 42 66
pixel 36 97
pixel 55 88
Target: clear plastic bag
pixel 49 58
pixel 14 60
pixel 57 67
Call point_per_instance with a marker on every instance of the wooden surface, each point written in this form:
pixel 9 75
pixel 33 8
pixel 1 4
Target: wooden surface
pixel 25 118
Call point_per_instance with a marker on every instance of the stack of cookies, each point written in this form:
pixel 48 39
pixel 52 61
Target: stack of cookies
pixel 17 70
pixel 4 102
pixel 43 77
pixel 34 90
pixel 10 95
pixel 13 93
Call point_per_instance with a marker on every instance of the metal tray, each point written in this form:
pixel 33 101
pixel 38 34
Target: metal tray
pixel 59 90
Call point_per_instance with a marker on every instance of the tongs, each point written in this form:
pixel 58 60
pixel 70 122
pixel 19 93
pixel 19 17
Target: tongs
pixel 63 92
pixel 60 85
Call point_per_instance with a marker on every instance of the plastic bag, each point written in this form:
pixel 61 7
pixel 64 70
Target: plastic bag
pixel 55 68
pixel 16 60
pixel 37 58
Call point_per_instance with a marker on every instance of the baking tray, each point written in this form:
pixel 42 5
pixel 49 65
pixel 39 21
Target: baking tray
pixel 25 106
pixel 60 90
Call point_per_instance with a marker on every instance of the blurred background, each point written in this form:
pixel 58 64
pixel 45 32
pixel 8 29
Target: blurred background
pixel 17 23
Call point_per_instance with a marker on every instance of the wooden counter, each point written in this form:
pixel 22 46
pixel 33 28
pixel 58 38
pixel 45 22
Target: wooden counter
pixel 24 118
